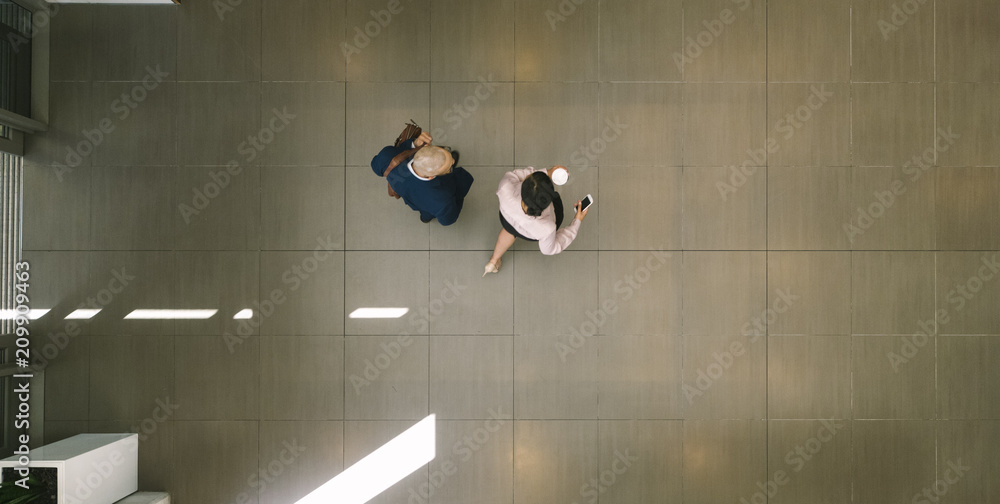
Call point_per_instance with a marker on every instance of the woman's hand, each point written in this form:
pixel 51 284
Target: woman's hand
pixel 422 140
pixel 580 215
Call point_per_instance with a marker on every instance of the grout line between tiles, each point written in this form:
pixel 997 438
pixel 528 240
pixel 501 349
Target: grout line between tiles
pixel 260 206
pixel 513 290
pixel 767 326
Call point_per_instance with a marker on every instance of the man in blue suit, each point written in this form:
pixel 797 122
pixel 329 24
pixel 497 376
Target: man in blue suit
pixel 428 181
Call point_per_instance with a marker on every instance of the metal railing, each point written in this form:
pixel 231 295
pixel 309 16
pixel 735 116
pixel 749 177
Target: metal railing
pixel 11 184
pixel 11 181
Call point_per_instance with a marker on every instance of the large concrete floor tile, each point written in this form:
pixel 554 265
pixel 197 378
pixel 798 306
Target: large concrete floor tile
pixel 725 124
pixel 558 123
pixel 462 301
pixel 387 280
pixel 216 208
pixel 57 209
pixel 554 460
pixel 967 461
pixel 892 123
pixel 968 292
pixel 72 43
pixel 474 463
pixel 133 130
pixel 476 119
pixel 233 373
pixel 723 292
pixel 395 226
pixel 229 461
pixel 724 41
pixel 967 209
pixel 640 293
pixel 128 38
pixel 893 460
pixel 649 117
pixel 892 292
pixel 386 42
pixel 121 282
pixel 964 125
pixel 65 287
pixel 302 123
pixel 808 208
pixel 640 377
pixel 809 461
pixel 362 438
pixel 233 32
pixel 223 281
pixel 70 140
pixel 963 40
pixel 890 380
pixel 300 204
pixel 809 41
pixel 387 377
pixel 218 124
pixel 723 459
pixel 298 457
pixel 555 42
pixel 640 461
pixel 724 377
pixel 635 35
pixel 132 210
pixel 568 282
pixel 810 124
pixel 472 377
pixel 470 40
pixel 299 47
pixel 812 290
pixel 302 292
pixel 891 208
pixel 302 378
pixel 724 208
pixel 554 377
pixel 809 377
pixel 965 377
pixel 131 377
pixel 890 45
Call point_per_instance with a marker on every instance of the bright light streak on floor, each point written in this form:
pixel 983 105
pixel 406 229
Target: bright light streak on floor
pixel 381 469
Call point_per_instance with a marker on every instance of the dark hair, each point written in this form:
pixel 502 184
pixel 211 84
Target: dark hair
pixel 537 193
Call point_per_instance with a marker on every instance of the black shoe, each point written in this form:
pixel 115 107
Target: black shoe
pixel 426 221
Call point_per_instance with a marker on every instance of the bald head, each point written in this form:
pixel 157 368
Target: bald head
pixel 432 161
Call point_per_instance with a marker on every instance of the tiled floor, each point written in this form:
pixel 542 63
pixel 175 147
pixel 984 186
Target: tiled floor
pixel 788 285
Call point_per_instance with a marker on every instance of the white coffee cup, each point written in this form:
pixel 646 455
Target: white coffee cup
pixel 560 176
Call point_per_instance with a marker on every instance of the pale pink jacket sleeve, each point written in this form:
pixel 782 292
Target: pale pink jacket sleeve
pixel 555 242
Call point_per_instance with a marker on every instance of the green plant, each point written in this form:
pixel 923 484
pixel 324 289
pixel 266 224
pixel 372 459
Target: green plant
pixel 11 493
